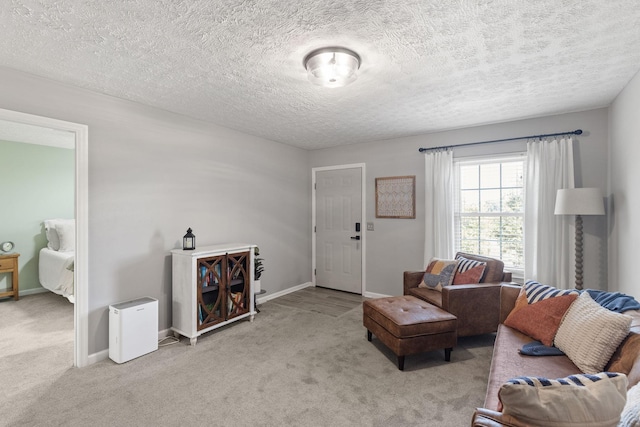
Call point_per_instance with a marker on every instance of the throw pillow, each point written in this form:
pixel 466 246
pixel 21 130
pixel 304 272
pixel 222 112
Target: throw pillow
pixel 631 413
pixel 67 236
pixel 521 301
pixel 537 291
pixel 439 273
pixel 53 228
pixel 53 241
pixel 468 271
pixel 533 291
pixel 577 400
pixel 540 320
pixel 470 276
pixel 589 334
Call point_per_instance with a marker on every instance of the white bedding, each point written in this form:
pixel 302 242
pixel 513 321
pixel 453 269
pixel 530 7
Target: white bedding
pixel 54 273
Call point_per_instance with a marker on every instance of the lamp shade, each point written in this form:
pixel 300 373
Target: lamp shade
pixel 579 201
pixel 332 66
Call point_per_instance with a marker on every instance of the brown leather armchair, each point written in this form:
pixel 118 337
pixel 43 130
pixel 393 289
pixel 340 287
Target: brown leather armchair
pixel 477 306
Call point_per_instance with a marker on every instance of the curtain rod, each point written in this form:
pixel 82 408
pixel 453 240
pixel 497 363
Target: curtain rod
pixel 575 132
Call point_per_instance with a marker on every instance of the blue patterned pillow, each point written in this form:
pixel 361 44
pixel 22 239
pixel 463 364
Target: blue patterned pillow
pixel 577 400
pixel 537 292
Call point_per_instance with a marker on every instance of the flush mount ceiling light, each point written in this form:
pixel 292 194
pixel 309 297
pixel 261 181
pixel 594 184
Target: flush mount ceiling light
pixel 332 66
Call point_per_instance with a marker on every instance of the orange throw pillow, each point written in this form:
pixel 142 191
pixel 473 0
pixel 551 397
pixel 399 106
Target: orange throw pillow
pixel 540 320
pixel 521 301
pixel 470 276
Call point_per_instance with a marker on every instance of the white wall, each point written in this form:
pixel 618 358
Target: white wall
pixel 398 244
pixel 624 124
pixel 152 174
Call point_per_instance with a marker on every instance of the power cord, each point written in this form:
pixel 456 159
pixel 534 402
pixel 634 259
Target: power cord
pixel 172 340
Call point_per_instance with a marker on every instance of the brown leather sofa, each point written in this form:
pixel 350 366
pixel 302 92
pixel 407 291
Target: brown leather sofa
pixel 477 306
pixel 507 363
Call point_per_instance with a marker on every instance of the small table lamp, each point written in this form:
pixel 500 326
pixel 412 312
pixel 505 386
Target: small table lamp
pixel 578 202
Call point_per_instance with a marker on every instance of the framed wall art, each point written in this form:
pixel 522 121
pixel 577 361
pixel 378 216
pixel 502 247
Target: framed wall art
pixel 396 197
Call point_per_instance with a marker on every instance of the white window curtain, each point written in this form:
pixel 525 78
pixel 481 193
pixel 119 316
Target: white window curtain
pixel 548 251
pixel 439 225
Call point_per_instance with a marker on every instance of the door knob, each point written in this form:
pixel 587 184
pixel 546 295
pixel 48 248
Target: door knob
pixel 355 237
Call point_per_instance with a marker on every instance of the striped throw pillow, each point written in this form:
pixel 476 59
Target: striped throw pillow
pixel 580 380
pixel 465 264
pixel 580 400
pixel 469 271
pixel 537 292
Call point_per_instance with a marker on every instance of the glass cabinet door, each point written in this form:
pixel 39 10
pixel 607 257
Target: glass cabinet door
pixel 238 280
pixel 210 285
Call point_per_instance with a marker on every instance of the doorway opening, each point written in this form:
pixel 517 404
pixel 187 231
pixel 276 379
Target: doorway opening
pixel 81 262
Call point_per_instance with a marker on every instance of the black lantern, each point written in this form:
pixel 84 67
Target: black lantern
pixel 189 241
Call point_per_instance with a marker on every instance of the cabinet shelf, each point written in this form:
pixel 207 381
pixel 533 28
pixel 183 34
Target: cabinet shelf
pixel 236 282
pixel 210 288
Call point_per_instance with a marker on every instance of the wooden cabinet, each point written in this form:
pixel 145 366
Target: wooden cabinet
pixel 9 264
pixel 212 286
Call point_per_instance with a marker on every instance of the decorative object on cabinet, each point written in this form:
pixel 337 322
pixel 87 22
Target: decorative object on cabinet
pixel 189 241
pixel 9 264
pixel 212 287
pixel 257 271
pixel 6 246
pixel 396 197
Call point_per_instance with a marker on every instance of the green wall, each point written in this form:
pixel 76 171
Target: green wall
pixel 37 183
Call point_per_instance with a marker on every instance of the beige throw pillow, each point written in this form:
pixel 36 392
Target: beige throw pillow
pixel 589 334
pixel 577 400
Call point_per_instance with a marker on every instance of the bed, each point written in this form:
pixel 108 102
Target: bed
pixel 55 270
pixel 56 263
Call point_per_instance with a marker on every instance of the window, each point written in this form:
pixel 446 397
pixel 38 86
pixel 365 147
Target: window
pixel 489 209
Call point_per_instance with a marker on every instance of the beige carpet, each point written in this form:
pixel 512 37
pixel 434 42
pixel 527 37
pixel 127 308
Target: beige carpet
pixel 288 367
pixel 320 300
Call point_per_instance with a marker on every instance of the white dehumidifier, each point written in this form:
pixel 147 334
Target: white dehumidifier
pixel 133 329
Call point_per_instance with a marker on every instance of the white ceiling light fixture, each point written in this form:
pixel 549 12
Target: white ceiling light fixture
pixel 332 66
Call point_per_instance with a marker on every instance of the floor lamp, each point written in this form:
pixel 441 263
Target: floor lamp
pixel 578 202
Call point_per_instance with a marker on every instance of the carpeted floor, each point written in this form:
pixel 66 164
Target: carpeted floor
pixel 289 367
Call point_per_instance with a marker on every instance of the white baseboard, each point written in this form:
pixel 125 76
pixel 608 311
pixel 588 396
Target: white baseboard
pixel 373 295
pixel 97 357
pixel 165 333
pixel 32 291
pixel 268 297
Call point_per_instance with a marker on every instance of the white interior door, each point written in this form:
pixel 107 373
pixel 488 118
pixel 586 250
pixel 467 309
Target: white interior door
pixel 338 244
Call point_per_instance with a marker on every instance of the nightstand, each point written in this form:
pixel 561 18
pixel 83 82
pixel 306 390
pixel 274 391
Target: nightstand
pixel 9 264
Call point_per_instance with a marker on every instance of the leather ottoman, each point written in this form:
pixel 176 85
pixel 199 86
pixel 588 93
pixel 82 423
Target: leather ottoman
pixel 409 325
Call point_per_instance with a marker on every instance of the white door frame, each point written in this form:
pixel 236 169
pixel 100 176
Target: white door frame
pixel 81 263
pixel 363 228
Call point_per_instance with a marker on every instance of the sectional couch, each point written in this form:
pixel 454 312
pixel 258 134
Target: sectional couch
pixel 507 363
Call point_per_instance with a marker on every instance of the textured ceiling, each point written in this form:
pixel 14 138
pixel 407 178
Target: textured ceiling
pixel 427 65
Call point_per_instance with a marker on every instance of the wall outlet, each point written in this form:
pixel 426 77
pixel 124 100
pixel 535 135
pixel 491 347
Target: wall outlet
pixel 369 226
